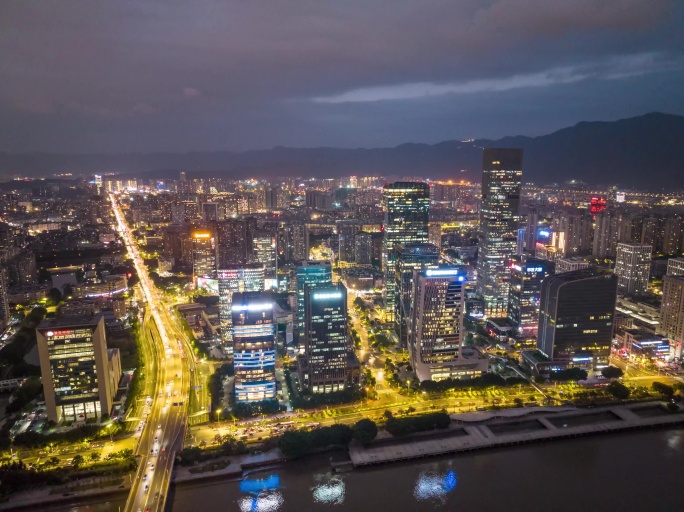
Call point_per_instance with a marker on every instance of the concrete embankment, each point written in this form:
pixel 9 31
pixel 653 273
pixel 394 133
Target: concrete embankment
pixel 528 426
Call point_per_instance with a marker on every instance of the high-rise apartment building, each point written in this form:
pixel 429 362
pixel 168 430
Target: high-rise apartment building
pixel 363 248
pixel 234 242
pixel 74 368
pixel 326 367
pixel 499 220
pixel 570 264
pixel 236 279
pixel 527 275
pixel 203 254
pixel 312 274
pixel 346 234
pixel 675 267
pixel 4 303
pixel 407 210
pixel 295 241
pixel 210 212
pixel 435 328
pixel 672 312
pixel 254 346
pixel 576 316
pixel 633 267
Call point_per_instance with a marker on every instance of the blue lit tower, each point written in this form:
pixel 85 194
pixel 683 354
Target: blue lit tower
pixel 310 273
pixel 254 352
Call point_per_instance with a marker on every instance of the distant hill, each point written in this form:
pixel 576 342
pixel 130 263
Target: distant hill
pixel 644 151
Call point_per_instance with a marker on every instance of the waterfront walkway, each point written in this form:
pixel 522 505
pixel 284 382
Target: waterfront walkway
pixel 503 430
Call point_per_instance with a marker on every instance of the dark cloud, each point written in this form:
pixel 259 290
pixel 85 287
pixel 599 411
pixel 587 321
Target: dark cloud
pixel 148 75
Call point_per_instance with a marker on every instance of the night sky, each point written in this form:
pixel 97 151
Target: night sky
pixel 120 76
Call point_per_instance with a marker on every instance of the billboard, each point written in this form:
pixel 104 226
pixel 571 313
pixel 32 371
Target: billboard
pixel 598 204
pixel 208 286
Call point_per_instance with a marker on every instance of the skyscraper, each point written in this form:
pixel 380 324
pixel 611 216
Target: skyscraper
pixel 231 280
pixel 499 222
pixel 254 352
pixel 74 368
pixel 363 248
pixel 633 267
pixel 325 367
pixel 407 210
pixel 408 258
pixel 524 295
pixel 312 274
pixel 295 237
pixel 675 267
pixel 672 312
pixel 436 327
pixel 203 254
pixel 576 316
pixel 346 234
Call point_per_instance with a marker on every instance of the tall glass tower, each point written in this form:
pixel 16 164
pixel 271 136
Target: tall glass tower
pixel 407 209
pixel 499 223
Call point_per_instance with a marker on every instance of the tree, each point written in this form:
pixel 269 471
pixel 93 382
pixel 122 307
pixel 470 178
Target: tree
pixel 365 430
pixel 518 402
pixel 54 296
pixel 618 390
pixel 77 461
pixel 94 456
pixel 612 372
pixel 663 389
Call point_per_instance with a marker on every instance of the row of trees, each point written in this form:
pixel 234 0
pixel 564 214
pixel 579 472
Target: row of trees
pixel 84 433
pixel 296 443
pixel 215 384
pixel 311 401
pixel 253 409
pixel 412 424
pixel 227 445
pixel 484 381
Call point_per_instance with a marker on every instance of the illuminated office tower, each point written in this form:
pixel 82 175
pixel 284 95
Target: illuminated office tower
pixel 576 317
pixel 203 254
pixel 264 251
pixel 499 222
pixel 74 368
pixel 408 258
pixel 4 303
pixel 325 367
pixel 254 351
pixel 407 210
pixel 231 280
pixel 524 295
pixel 313 274
pixel 436 327
pixel 234 242
pixel 672 312
pixel 633 267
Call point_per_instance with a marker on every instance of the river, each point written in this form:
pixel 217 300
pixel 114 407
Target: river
pixel 628 473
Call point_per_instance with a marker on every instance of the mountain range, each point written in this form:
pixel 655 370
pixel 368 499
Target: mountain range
pixel 642 152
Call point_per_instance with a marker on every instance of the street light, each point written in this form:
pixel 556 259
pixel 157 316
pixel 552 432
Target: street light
pixel 218 413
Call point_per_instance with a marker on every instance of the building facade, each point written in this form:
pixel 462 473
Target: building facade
pixel 74 369
pixel 312 274
pixel 672 312
pixel 254 350
pixel 633 267
pixel 231 280
pixel 499 222
pixel 325 367
pixel 435 331
pixel 406 220
pixel 524 296
pixel 576 317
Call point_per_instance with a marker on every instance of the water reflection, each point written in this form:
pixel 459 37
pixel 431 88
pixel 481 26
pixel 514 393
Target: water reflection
pixel 435 486
pixel 265 496
pixel 674 440
pixel 328 489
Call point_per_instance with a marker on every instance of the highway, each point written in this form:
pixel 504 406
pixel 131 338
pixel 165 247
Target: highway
pixel 164 429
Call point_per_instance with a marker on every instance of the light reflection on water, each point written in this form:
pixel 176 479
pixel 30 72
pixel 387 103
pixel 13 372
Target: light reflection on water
pixel 265 501
pixel 674 440
pixel 328 489
pixel 434 486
